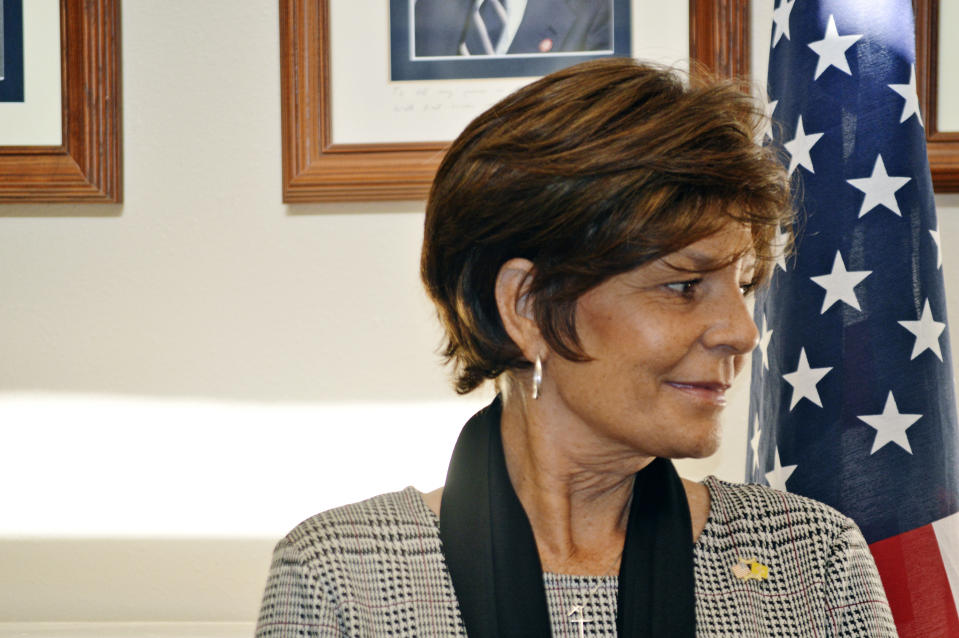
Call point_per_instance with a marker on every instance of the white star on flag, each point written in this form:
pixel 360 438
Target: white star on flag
pixel 754 444
pixel 909 93
pixel 781 20
pixel 832 49
pixel 880 188
pixel 927 331
pixel 804 381
pixel 935 238
pixel 890 426
pixel 769 109
pixel 778 476
pixel 764 342
pixel 799 147
pixel 840 284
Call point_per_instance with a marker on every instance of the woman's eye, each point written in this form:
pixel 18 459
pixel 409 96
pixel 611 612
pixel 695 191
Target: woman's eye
pixel 750 287
pixel 683 287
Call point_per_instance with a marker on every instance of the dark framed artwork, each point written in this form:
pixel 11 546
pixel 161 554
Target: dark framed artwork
pixel 451 39
pixel 11 50
pixel 942 146
pixel 86 166
pixel 317 168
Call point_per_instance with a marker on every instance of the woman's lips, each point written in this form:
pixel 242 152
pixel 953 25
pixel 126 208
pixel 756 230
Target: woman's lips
pixel 707 391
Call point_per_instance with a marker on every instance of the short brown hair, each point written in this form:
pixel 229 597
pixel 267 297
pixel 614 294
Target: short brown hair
pixel 588 172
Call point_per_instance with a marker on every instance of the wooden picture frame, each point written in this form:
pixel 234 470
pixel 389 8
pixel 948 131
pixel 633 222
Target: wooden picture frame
pixel 86 166
pixel 317 170
pixel 942 147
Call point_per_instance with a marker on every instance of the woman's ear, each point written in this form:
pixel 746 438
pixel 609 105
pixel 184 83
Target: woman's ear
pixel 516 306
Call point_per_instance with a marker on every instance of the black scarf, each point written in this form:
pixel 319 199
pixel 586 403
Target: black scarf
pixel 492 558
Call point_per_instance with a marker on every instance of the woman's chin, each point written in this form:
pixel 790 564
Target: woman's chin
pixel 702 447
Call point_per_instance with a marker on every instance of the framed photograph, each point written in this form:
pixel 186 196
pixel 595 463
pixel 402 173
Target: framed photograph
pixel 937 77
pixel 351 132
pixel 11 50
pixel 453 39
pixel 71 77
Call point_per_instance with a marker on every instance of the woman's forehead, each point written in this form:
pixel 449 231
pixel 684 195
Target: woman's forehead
pixel 732 242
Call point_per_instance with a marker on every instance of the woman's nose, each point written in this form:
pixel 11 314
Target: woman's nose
pixel 732 326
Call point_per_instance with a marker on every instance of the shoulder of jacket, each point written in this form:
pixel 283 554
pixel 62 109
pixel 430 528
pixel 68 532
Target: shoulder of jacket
pixel 381 521
pixel 734 503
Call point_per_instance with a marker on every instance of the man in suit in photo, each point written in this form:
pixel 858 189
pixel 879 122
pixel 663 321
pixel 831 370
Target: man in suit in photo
pixel 510 27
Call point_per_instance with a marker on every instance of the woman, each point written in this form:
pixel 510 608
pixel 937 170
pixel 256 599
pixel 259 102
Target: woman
pixel 589 243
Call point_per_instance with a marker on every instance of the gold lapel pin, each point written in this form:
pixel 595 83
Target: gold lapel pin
pixel 750 569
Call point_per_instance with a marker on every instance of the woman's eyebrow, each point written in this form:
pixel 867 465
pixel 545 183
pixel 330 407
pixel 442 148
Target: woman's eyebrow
pixel 699 260
pixel 693 260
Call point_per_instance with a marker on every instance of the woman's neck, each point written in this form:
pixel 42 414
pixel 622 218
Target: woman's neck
pixel 577 498
pixel 575 490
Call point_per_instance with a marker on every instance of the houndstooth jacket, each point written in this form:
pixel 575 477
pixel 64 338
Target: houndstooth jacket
pixel 767 563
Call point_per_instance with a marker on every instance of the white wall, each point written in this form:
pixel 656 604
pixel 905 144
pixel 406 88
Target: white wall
pixel 187 375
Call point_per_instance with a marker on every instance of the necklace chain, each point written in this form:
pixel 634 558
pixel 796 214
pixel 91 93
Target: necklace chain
pixel 576 612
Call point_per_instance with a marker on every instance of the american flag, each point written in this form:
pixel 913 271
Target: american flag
pixel 853 400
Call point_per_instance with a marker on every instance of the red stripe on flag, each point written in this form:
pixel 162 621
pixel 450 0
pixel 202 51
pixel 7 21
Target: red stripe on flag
pixel 916 584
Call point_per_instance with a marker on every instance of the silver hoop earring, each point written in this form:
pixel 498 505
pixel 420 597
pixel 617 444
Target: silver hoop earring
pixel 537 377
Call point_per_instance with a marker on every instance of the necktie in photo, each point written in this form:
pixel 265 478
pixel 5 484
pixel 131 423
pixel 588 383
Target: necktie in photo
pixel 486 29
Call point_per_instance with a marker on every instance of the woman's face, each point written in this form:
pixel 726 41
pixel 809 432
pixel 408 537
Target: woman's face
pixel 666 341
